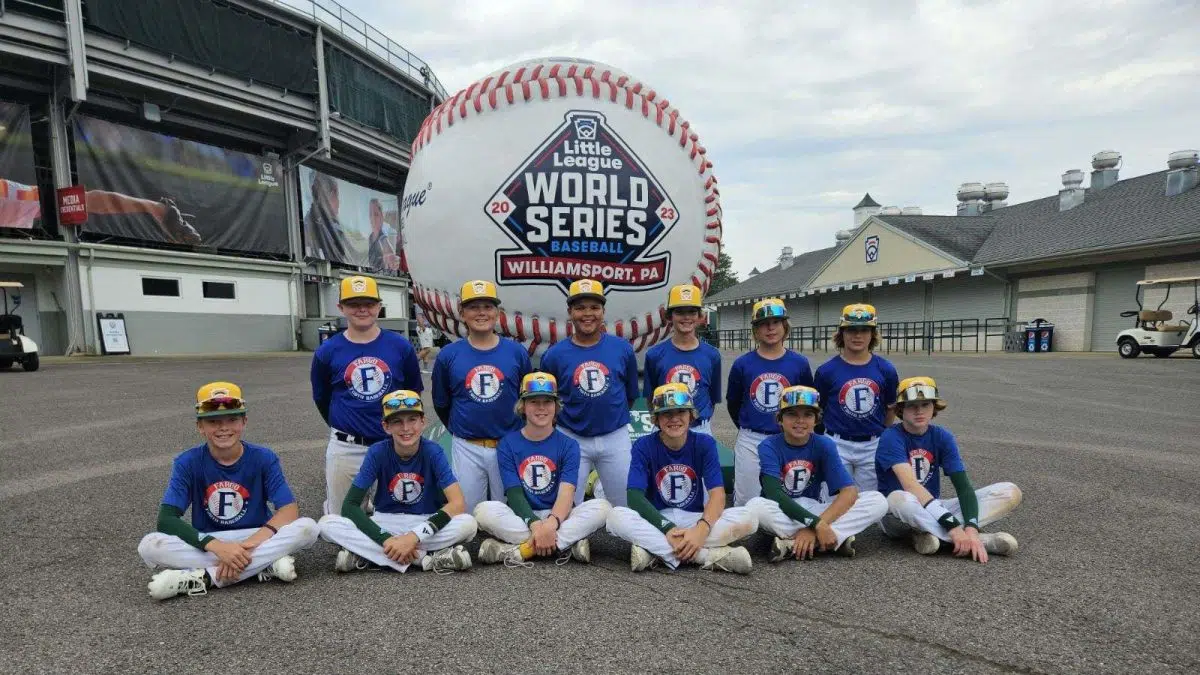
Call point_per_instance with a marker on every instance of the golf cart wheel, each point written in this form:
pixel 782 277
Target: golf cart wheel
pixel 5 364
pixel 1128 349
pixel 1196 350
pixel 30 363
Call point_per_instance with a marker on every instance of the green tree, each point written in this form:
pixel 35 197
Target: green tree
pixel 725 276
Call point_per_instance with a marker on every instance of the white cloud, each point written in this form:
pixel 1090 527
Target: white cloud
pixel 805 106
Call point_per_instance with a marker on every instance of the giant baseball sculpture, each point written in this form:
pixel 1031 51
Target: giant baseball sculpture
pixel 553 170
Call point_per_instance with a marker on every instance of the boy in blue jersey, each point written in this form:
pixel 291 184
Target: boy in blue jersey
pixel 597 377
pixel 756 380
pixel 227 483
pixel 910 460
pixel 794 465
pixel 857 390
pixel 350 373
pixel 475 383
pixel 671 473
pixel 685 358
pixel 419 511
pixel 540 469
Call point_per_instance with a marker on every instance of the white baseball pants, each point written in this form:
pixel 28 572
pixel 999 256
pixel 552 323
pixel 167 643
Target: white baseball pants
pixel 610 455
pixel 342 462
pixel 859 459
pixel 735 523
pixel 343 532
pixel 170 552
pixel 995 502
pixel 499 520
pixel 478 472
pixel 746 467
pixel 867 510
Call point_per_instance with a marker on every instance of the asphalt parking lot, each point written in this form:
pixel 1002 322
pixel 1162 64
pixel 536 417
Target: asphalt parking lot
pixel 1106 451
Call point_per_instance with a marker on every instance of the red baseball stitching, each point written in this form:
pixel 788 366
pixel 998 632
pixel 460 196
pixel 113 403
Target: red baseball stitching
pixel 524 84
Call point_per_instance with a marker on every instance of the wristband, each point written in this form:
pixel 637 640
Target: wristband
pixel 936 509
pixel 948 521
pixel 424 531
pixel 271 528
pixel 557 520
pixel 702 520
pixel 815 522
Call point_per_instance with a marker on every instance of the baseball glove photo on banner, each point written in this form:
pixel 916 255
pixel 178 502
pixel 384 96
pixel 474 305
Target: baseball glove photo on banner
pixel 553 170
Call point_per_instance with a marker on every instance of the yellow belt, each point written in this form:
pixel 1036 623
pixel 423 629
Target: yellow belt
pixel 485 442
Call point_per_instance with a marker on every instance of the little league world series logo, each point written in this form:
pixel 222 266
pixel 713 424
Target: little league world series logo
pixel 583 205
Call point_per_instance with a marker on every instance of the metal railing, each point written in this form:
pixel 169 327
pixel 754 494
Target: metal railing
pixel 907 337
pixel 348 24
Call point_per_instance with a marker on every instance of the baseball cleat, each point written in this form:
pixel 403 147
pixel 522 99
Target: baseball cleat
pixel 283 569
pixel 847 548
pixel 170 583
pixel 640 559
pixel 582 551
pixel 893 527
pixel 999 543
pixel 448 560
pixel 348 562
pixel 782 549
pixel 734 559
pixel 493 551
pixel 926 543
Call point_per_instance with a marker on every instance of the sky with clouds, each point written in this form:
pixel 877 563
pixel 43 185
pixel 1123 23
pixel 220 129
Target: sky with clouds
pixel 804 106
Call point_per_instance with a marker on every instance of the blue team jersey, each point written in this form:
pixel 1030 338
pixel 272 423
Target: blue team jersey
pixel 699 369
pixel 538 467
pixel 597 384
pixel 755 384
pixel 480 386
pixel 802 468
pixel 230 497
pixel 349 380
pixel 675 479
pixel 412 485
pixel 929 455
pixel 854 399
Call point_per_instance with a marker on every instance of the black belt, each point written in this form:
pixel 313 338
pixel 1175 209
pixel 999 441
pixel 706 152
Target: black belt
pixel 351 438
pixel 856 439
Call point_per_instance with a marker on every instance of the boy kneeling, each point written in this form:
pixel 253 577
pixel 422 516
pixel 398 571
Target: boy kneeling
pixel 407 471
pixel 227 483
pixel 794 465
pixel 539 466
pixel 668 475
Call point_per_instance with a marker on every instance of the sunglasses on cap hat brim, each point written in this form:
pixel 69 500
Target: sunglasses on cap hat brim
pixel 770 312
pixel 221 405
pixel 409 404
pixel 796 399
pixel 539 388
pixel 672 400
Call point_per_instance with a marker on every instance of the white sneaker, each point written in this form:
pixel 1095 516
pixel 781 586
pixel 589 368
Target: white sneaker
pixel 926 543
pixel 170 583
pixel 493 551
pixel 640 559
pixel 347 561
pixel 582 551
pixel 734 559
pixel 782 549
pixel 999 543
pixel 283 569
pixel 847 548
pixel 447 561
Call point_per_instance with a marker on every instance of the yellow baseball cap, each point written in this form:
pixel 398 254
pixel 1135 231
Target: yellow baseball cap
pixel 586 288
pixel 478 290
pixel 402 401
pixel 858 315
pixel 220 398
pixel 359 287
pixel 770 308
pixel 684 295
pixel 671 396
pixel 919 388
pixel 539 384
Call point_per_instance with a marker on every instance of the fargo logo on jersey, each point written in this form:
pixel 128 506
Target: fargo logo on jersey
pixel 407 487
pixel 484 383
pixel 686 374
pixel 765 391
pixel 795 476
pixel 922 463
pixel 582 204
pixel 537 473
pixel 677 484
pixel 592 378
pixel 226 501
pixel 367 378
pixel 859 397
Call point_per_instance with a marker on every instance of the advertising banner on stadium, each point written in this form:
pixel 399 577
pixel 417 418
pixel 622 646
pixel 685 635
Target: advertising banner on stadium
pixel 19 205
pixel 154 187
pixel 350 224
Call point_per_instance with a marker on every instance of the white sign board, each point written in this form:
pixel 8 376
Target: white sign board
pixel 113 335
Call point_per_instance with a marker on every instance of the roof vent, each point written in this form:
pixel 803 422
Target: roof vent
pixel 785 258
pixel 1072 193
pixel 911 211
pixel 1183 159
pixel 994 195
pixel 843 235
pixel 1184 171
pixel 890 211
pixel 1105 166
pixel 969 196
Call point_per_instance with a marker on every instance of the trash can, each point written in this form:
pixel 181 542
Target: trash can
pixel 325 332
pixel 1039 336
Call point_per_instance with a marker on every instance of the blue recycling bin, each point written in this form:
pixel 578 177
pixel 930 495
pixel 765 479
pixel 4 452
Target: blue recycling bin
pixel 1039 336
pixel 326 331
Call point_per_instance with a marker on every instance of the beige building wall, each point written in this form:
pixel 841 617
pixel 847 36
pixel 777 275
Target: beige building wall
pixel 1181 295
pixel 1064 299
pixel 898 256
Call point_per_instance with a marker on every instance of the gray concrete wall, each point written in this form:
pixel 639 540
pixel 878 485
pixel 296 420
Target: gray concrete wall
pixel 182 333
pixel 54 333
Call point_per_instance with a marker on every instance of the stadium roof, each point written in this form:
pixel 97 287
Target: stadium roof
pixel 776 280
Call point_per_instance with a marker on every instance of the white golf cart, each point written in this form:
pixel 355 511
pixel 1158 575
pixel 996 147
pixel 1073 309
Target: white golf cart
pixel 1151 332
pixel 14 346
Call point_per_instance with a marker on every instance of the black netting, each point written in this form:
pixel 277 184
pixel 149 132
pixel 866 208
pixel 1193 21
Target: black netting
pixel 365 95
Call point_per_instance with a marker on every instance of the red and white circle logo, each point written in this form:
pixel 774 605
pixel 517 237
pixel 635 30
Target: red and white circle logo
pixel 484 383
pixel 591 378
pixel 859 397
pixel 226 501
pixel 795 476
pixel 367 378
pixel 765 391
pixel 922 463
pixel 677 484
pixel 407 487
pixel 686 374
pixel 537 473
